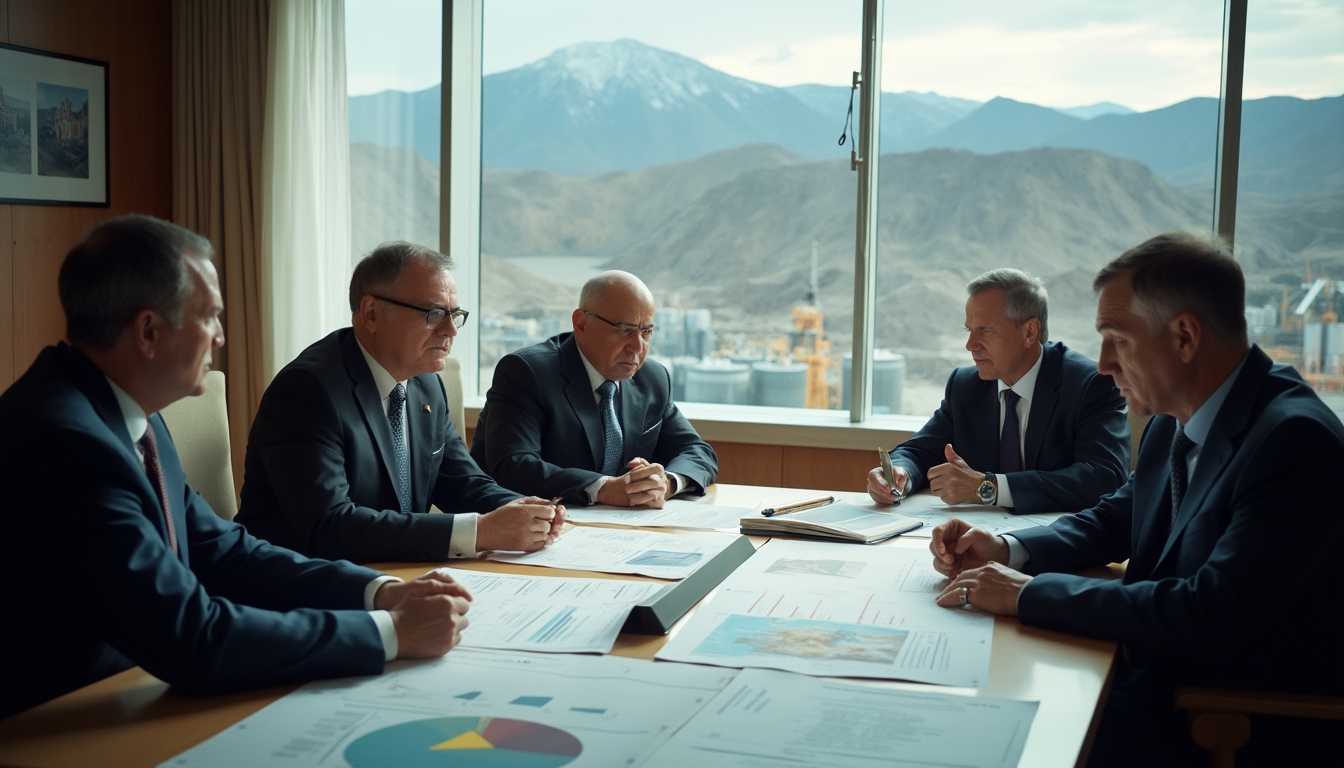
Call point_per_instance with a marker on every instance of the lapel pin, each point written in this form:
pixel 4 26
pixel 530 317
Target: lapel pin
pixel 428 409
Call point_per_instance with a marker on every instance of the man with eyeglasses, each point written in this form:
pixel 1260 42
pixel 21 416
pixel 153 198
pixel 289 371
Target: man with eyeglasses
pixel 353 442
pixel 584 417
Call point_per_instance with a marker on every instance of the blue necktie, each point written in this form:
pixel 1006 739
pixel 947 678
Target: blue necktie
pixel 1010 441
pixel 612 440
pixel 395 411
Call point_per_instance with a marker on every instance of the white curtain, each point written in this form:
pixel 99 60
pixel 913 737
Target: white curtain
pixel 305 253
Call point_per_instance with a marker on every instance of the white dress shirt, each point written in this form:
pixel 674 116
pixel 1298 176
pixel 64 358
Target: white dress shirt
pixel 462 542
pixel 595 380
pixel 137 423
pixel 1025 388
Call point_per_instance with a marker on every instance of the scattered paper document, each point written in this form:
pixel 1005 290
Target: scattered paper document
pixel 472 708
pixel 677 513
pixel 838 610
pixel 547 613
pixel 776 718
pixel 622 550
pixel 931 510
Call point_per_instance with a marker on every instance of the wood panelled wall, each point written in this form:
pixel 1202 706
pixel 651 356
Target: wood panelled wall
pixel 135 38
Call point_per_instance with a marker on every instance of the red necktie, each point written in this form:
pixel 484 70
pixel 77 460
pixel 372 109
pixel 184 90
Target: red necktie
pixel 155 471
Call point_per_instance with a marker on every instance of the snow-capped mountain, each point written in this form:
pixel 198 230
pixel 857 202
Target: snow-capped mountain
pixel 623 105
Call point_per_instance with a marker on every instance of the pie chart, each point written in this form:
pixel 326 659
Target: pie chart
pixel 464 742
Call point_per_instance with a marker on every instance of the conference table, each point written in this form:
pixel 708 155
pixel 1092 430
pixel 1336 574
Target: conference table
pixel 134 719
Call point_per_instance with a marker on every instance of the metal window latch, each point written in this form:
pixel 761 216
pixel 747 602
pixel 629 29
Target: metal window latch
pixel 854 160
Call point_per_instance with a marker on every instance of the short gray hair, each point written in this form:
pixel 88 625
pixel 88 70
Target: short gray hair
pixel 1024 296
pixel 598 285
pixel 381 269
pixel 122 266
pixel 1178 272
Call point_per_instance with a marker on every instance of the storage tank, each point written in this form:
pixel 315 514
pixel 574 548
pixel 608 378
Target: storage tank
pixel 888 381
pixel 779 384
pixel 679 366
pixel 716 381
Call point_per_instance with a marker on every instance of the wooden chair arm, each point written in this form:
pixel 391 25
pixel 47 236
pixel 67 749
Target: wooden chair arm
pixel 1260 703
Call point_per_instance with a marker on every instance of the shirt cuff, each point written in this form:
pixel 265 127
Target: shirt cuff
pixel 1005 493
pixel 387 631
pixel 595 488
pixel 1017 552
pixel 371 591
pixel 462 544
pixel 678 484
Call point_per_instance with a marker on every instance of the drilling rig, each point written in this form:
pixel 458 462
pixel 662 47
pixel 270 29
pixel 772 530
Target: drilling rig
pixel 809 343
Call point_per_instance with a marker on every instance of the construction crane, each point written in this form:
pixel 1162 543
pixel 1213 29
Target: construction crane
pixel 809 343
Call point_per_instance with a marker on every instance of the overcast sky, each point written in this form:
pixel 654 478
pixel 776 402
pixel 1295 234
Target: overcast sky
pixel 1061 53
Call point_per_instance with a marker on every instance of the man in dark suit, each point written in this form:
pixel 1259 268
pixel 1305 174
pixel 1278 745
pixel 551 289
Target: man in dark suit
pixel 353 442
pixel 110 559
pixel 1032 427
pixel 1231 521
pixel 584 417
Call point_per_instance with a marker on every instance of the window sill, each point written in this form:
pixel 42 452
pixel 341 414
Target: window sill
pixel 783 426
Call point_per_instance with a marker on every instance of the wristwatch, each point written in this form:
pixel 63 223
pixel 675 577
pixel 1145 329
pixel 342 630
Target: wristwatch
pixel 988 490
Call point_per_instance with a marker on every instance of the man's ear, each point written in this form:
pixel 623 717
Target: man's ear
pixel 579 320
pixel 1031 331
pixel 368 314
pixel 1187 334
pixel 145 331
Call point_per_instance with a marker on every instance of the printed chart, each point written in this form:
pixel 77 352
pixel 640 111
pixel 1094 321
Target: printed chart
pixel 465 742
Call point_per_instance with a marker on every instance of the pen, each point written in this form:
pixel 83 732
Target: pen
pixel 889 473
pixel 797 506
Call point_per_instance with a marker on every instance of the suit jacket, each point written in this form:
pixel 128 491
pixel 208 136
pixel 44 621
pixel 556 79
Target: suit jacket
pixel 319 471
pixel 540 431
pixel 1077 441
pixel 1239 592
pixel 92 586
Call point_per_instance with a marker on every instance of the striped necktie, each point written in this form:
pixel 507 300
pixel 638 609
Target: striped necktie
pixel 150 447
pixel 613 442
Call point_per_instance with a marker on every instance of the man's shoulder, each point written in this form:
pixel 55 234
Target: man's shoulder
pixel 1289 402
pixel 542 359
pixel 545 352
pixel 45 396
pixel 653 375
pixel 316 365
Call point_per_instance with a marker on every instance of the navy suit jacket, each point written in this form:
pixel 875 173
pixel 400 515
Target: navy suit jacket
pixel 319 472
pixel 1239 592
pixel 540 431
pixel 92 586
pixel 1077 441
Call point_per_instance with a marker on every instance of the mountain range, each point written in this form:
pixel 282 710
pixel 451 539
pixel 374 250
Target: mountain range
pixel 595 108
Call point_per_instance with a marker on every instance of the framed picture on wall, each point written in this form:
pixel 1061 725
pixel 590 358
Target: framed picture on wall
pixel 53 129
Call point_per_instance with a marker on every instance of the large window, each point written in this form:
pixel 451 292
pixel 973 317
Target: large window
pixel 682 142
pixel 1290 190
pixel 694 144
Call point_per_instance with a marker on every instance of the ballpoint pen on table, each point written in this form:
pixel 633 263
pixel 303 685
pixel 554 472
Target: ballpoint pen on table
pixel 797 506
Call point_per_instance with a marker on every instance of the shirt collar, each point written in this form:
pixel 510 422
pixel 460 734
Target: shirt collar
pixel 1026 385
pixel 1197 429
pixel 381 378
pixel 136 421
pixel 595 379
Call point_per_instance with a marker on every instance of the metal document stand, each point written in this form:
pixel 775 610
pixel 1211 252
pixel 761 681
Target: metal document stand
pixel 657 614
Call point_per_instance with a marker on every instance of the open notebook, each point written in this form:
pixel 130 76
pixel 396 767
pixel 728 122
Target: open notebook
pixel 833 522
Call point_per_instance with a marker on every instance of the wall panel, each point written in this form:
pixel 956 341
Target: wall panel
pixel 135 38
pixel 828 469
pixel 749 464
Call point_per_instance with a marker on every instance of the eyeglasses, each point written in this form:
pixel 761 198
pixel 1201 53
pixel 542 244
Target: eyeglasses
pixel 433 317
pixel 627 329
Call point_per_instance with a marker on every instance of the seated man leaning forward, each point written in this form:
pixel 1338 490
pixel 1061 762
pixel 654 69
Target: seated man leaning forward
pixel 1032 427
pixel 111 560
pixel 353 443
pixel 584 417
pixel 1231 522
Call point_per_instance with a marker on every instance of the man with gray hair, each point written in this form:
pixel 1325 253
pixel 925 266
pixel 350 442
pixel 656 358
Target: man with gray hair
pixel 88 470
pixel 1033 427
pixel 1231 522
pixel 353 442
pixel 585 417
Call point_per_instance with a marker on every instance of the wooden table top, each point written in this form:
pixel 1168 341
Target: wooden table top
pixel 134 719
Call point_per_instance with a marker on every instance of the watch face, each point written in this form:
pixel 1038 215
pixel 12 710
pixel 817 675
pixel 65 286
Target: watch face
pixel 986 492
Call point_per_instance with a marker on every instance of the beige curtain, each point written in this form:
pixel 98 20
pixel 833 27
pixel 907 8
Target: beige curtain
pixel 306 179
pixel 219 110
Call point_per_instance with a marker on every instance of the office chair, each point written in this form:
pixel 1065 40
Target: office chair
pixel 452 383
pixel 200 430
pixel 1219 722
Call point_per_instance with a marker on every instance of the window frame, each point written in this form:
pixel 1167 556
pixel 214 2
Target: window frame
pixel 460 207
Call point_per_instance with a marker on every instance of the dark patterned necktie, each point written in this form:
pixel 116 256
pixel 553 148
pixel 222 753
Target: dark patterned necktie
pixel 150 447
pixel 612 440
pixel 1010 441
pixel 395 416
pixel 1180 446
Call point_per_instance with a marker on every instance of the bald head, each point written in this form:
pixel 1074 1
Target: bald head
pixel 615 311
pixel 613 285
